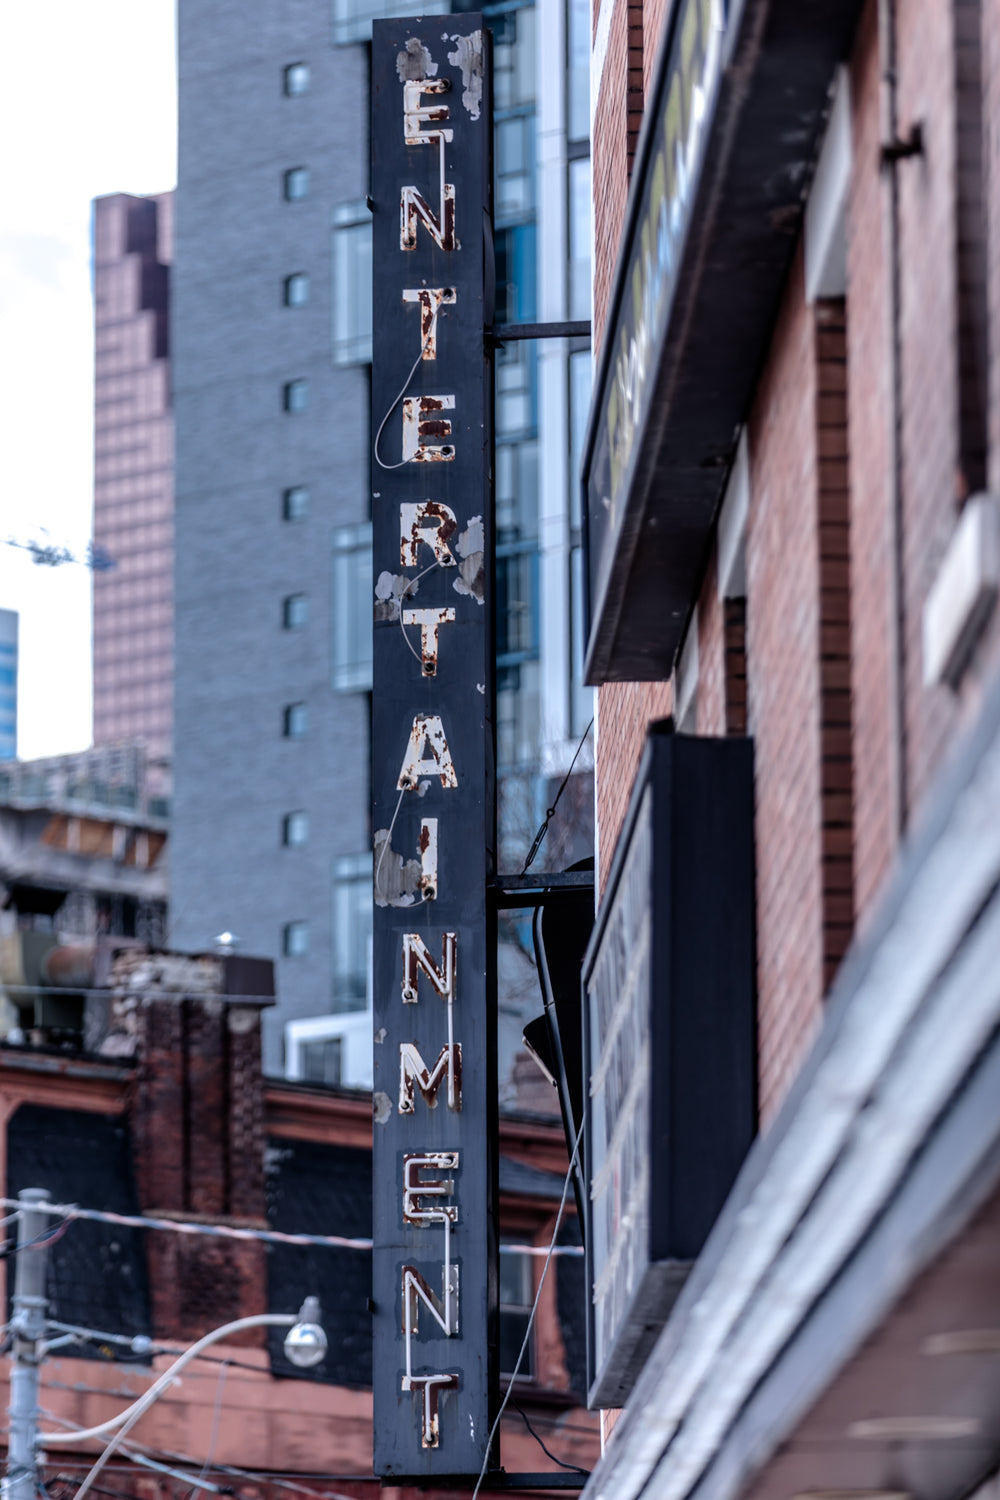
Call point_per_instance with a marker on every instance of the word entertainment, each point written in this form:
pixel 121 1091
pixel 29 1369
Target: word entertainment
pixel 432 736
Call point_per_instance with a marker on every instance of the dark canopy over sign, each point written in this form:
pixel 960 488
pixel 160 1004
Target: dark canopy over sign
pixel 432 743
pixel 740 98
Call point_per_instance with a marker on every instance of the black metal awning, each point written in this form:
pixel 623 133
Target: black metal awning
pixel 730 135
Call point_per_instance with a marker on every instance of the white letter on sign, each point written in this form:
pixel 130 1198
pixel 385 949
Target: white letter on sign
pixel 431 523
pixel 416 1187
pixel 430 299
pixel 428 620
pixel 413 205
pixel 413 1070
pixel 420 420
pixel 427 734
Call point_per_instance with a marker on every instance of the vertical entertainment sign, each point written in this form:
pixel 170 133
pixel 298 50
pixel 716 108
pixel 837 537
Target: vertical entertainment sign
pixel 432 744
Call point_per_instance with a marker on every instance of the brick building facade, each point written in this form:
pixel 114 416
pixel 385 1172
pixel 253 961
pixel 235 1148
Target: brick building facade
pixel 168 1116
pixel 791 485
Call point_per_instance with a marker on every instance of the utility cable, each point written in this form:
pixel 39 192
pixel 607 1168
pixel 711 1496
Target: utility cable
pixel 543 827
pixel 531 1316
pixel 225 1231
pixel 573 1468
pixel 392 408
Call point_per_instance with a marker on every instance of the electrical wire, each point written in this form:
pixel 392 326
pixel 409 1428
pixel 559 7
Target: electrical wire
pixel 573 1468
pixel 216 1414
pixel 531 1316
pixel 392 408
pixel 268 1236
pixel 550 812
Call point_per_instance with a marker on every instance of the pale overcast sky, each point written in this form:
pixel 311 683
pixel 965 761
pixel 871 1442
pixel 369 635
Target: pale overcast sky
pixel 87 106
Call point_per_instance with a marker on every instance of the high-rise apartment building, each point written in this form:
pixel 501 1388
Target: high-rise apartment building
pixel 8 683
pixel 271 343
pixel 133 476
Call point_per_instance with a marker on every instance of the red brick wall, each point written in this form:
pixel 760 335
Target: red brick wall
pixel 610 161
pixel 624 709
pixel 783 685
pixel 868 416
pixel 198 1131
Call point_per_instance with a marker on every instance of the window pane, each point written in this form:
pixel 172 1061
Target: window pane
pixel 295 939
pixel 352 19
pixel 352 284
pixel 579 238
pixel 352 608
pixel 295 395
pixel 516 1294
pixel 296 78
pixel 578 80
pixel 296 183
pixel 295 611
pixel 322 1062
pixel 580 380
pixel 296 289
pixel 352 931
pixel 296 828
pixel 296 721
pixel 295 503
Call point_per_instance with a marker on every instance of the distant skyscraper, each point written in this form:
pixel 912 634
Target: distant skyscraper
pixel 8 684
pixel 271 350
pixel 133 474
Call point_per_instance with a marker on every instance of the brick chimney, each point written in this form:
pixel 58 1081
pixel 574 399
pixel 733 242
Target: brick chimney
pixel 193 1026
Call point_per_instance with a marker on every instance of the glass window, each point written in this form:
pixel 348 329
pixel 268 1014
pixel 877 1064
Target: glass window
pixel 295 503
pixel 514 145
pixel 516 299
pixel 295 611
pixel 352 19
pixel 295 395
pixel 514 68
pixel 295 829
pixel 323 1061
pixel 580 380
pixel 296 78
pixel 295 289
pixel 579 238
pixel 296 182
pixel 295 939
pixel 352 608
pixel 295 721
pixel 352 284
pixel 352 931
pixel 517 1293
pixel 578 71
pixel 516 593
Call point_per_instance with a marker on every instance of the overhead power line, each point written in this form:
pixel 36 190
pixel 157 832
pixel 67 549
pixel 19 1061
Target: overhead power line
pixel 70 1211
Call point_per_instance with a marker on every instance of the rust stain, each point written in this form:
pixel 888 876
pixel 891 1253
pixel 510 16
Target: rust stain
pixel 431 523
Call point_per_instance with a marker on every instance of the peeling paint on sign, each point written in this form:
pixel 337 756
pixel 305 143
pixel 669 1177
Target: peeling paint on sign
pixel 390 589
pixel 468 55
pixel 381 1107
pixel 415 61
pixel 471 580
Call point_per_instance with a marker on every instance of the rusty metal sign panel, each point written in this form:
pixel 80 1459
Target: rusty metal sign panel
pixel 432 742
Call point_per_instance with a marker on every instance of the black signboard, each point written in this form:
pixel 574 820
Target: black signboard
pixel 670 1058
pixel 432 745
pixel 669 171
